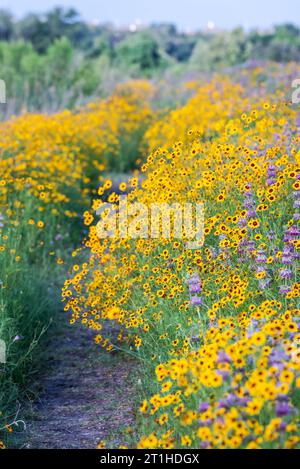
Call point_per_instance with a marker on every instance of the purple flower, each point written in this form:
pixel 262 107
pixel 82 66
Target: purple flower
pixel 282 427
pixel 261 258
pixel 287 255
pixel 193 279
pixel 278 357
pixel 260 269
pixel 251 213
pixel 285 273
pixel 223 358
pixel 296 204
pixel 251 246
pixel 204 444
pixel 223 403
pixel 271 235
pixel 196 301
pixel 242 222
pixel 195 288
pixel 224 373
pixel 203 407
pixel 271 181
pixel 291 233
pixel 248 203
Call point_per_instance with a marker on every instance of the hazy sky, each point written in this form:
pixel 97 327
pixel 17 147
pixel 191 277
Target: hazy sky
pixel 185 13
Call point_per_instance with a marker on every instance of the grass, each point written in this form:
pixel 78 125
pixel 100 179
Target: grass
pixel 29 295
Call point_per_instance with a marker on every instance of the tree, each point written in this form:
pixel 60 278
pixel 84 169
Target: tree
pixel 219 50
pixel 59 60
pixel 140 50
pixel 42 31
pixel 6 25
pixel 67 22
pixel 31 28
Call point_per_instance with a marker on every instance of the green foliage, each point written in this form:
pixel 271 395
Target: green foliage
pixel 221 50
pixel 178 46
pixel 45 82
pixel 149 48
pixel 6 25
pixel 42 31
pixel 29 288
pixel 282 45
pixel 55 60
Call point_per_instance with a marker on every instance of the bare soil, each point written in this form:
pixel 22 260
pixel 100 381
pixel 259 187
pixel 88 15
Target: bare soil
pixel 86 395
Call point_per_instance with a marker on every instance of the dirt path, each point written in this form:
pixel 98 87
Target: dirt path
pixel 86 395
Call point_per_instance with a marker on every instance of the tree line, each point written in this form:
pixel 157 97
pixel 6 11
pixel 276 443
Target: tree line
pixel 56 59
pixel 154 46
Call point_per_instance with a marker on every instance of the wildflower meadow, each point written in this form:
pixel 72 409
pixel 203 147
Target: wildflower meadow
pixel 211 327
pixel 216 328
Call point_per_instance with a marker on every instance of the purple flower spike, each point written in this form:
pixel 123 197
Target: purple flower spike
pixel 196 301
pixel 203 407
pixel 284 289
pixel 195 288
pixel 285 273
